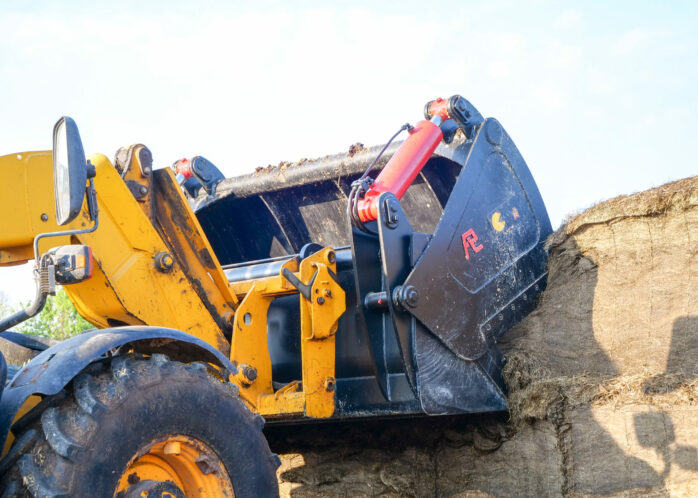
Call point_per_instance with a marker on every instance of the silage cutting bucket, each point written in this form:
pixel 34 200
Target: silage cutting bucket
pixel 470 242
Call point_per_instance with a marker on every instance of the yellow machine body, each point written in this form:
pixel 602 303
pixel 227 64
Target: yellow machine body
pixel 154 266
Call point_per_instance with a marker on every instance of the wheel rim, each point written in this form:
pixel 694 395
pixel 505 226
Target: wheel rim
pixel 175 466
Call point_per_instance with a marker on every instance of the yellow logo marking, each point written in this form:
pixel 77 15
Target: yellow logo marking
pixel 497 221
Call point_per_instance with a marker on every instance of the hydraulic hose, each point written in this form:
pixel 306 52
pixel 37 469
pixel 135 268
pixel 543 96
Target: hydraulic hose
pixel 25 314
pixel 361 186
pixel 42 291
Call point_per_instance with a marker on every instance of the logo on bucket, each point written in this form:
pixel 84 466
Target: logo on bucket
pixel 497 222
pixel 470 241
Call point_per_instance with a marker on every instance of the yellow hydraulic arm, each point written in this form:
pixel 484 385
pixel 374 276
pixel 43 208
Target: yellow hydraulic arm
pixel 135 280
pixel 154 266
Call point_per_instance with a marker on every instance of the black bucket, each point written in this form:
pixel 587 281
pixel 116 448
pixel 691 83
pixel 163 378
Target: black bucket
pixel 276 211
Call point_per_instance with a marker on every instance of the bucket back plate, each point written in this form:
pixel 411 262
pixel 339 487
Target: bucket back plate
pixel 480 272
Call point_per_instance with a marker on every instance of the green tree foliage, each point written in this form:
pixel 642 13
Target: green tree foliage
pixel 58 320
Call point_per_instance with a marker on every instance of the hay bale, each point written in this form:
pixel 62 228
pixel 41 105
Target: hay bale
pixel 603 380
pixel 611 351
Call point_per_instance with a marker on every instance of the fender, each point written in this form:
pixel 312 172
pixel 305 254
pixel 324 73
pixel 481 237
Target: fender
pixel 49 372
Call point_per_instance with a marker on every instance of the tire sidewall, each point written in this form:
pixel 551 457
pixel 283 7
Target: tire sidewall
pixel 192 406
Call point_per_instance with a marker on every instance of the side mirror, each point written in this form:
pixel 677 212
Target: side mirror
pixel 69 170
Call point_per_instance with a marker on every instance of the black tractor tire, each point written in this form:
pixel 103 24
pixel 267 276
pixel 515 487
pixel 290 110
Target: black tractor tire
pixel 79 443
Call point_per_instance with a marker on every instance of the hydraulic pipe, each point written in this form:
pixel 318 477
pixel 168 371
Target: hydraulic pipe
pixel 22 315
pixel 269 267
pixel 403 167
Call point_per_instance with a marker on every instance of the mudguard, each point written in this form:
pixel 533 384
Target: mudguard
pixel 53 369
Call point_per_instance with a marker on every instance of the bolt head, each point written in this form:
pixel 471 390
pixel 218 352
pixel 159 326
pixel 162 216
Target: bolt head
pixel 250 373
pixel 164 262
pixel 406 297
pixel 411 297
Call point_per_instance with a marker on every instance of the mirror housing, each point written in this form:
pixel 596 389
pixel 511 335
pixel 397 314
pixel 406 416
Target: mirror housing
pixel 69 170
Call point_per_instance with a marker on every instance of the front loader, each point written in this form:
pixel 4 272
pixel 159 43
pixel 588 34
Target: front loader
pixel 373 283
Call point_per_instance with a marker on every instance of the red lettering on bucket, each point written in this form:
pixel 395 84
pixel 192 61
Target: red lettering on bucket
pixel 470 242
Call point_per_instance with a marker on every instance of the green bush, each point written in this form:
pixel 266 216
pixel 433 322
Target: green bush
pixel 58 320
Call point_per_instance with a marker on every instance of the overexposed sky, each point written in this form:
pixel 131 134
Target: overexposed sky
pixel 600 97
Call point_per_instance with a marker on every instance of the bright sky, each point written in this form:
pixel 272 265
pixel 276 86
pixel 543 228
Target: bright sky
pixel 600 97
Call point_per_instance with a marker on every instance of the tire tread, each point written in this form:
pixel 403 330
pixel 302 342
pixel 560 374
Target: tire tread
pixel 45 457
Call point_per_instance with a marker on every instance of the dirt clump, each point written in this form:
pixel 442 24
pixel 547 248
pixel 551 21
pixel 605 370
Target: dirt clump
pixel 356 148
pixel 603 380
pixel 282 166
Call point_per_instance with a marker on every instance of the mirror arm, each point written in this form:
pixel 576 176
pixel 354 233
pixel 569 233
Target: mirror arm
pixel 94 215
pixel 92 207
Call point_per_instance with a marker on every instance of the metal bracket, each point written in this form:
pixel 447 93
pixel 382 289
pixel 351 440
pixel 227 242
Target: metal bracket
pixel 327 302
pixel 396 234
pixel 323 303
pixel 303 289
pixel 135 165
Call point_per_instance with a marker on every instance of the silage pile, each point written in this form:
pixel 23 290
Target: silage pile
pixel 603 378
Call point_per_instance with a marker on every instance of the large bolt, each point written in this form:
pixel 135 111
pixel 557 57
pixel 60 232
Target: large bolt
pixel 411 296
pixel 391 219
pixel 391 210
pixel 406 297
pixel 246 375
pixel 164 262
pixel 249 372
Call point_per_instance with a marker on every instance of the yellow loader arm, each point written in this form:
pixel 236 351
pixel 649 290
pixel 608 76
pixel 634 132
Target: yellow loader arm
pixel 153 266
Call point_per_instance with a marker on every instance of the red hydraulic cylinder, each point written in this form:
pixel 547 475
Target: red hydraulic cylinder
pixel 403 167
pixel 183 167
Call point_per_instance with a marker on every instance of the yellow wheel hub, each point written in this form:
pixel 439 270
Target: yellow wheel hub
pixel 175 467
